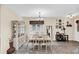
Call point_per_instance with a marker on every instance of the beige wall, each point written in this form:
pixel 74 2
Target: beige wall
pixel 70 30
pixel 0 29
pixel 7 16
pixel 52 22
pixel 76 34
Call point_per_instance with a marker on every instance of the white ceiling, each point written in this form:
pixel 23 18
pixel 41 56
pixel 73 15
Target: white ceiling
pixel 47 10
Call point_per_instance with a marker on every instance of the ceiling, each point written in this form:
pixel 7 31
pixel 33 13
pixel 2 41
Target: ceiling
pixel 46 10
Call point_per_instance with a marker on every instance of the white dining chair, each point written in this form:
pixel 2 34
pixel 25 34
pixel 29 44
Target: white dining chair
pixel 49 42
pixel 29 43
pixel 49 45
pixel 43 43
pixel 36 44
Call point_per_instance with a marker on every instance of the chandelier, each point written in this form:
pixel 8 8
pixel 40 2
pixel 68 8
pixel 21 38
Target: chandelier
pixel 39 15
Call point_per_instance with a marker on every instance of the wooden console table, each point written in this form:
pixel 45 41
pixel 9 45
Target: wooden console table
pixel 61 37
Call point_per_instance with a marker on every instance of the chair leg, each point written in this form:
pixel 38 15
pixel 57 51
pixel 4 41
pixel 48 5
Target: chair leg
pixel 51 48
pixel 38 47
pixel 28 49
pixel 46 48
pixel 42 47
pixel 33 47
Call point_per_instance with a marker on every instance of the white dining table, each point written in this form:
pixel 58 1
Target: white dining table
pixel 40 38
pixel 40 41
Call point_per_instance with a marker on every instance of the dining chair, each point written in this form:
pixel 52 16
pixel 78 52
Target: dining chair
pixel 29 43
pixel 43 44
pixel 49 45
pixel 36 44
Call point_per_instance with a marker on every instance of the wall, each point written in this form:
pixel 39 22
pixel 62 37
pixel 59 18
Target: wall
pixel 0 29
pixel 70 30
pixel 52 22
pixel 76 34
pixel 7 16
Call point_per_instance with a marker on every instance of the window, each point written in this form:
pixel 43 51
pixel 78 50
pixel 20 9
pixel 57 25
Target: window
pixel 33 27
pixel 37 27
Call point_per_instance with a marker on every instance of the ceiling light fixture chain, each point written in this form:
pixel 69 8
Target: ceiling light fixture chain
pixel 39 15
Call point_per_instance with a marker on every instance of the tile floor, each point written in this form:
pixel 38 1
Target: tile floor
pixel 70 47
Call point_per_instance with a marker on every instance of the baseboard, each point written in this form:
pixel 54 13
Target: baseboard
pixel 74 41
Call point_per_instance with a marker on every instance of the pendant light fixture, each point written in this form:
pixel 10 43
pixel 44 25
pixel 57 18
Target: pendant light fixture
pixel 39 15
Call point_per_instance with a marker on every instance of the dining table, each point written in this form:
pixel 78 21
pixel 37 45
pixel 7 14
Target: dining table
pixel 40 41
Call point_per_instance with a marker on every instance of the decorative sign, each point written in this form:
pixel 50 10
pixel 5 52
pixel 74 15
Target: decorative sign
pixel 68 24
pixel 36 22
